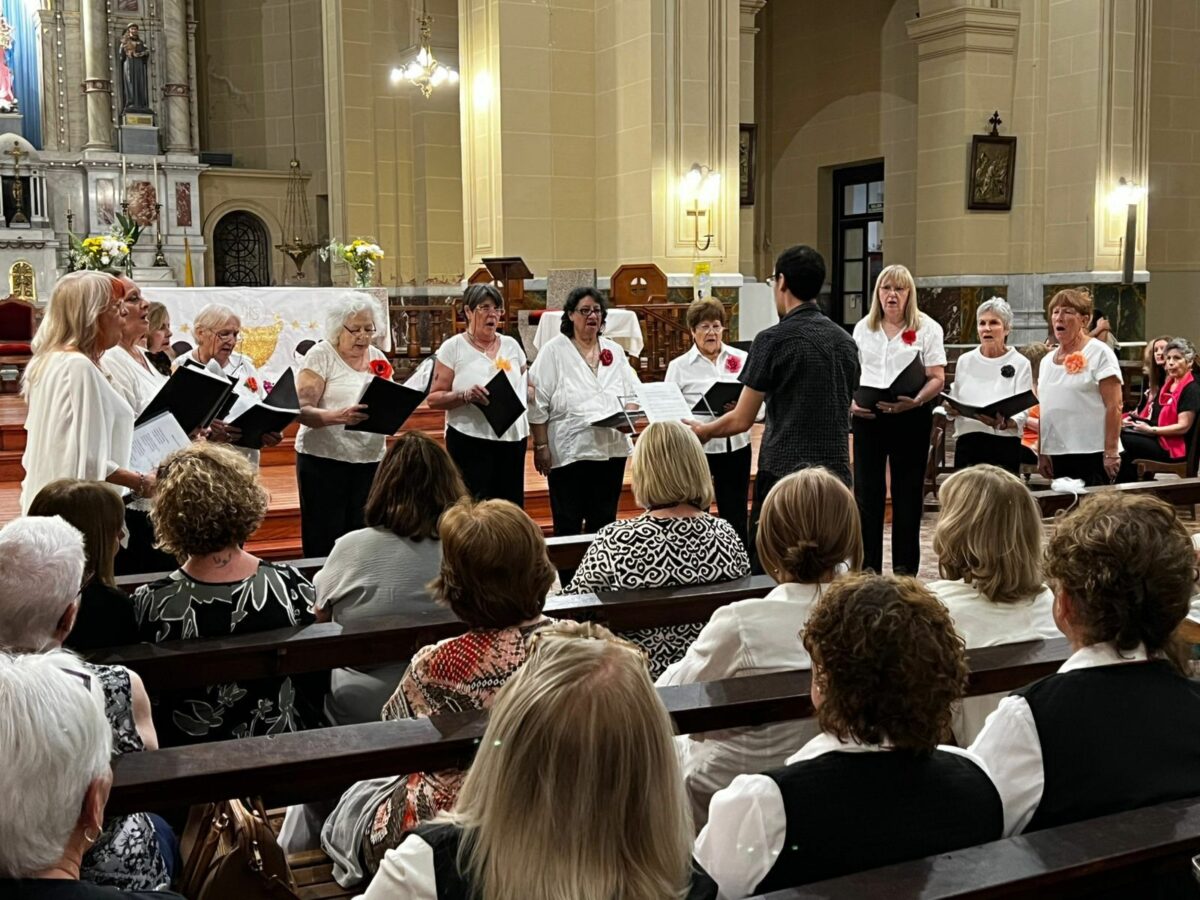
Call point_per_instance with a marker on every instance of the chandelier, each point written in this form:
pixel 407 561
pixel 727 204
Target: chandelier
pixel 425 72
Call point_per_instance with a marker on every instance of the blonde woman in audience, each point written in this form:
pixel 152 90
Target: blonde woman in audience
pixel 575 791
pixel 988 543
pixel 675 542
pixel 158 338
pixel 494 576
pixel 876 786
pixel 808 533
pixel 1118 727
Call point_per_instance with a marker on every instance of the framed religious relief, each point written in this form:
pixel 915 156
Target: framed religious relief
pixel 993 167
pixel 747 150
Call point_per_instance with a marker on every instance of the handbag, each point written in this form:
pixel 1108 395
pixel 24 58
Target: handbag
pixel 229 850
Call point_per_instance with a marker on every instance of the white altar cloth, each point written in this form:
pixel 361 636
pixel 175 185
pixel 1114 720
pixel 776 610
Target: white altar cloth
pixel 621 326
pixel 274 319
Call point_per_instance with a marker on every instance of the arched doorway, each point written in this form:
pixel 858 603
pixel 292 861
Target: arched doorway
pixel 241 251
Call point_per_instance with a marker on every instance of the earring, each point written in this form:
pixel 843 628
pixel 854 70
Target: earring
pixel 91 840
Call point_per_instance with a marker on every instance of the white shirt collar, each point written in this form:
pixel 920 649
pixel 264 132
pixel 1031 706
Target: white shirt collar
pixel 828 743
pixel 1103 655
pixel 695 355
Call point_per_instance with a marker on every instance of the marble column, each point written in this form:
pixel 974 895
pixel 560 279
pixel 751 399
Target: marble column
pixel 176 100
pixel 97 85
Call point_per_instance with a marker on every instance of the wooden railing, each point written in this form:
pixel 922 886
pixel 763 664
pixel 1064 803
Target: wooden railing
pixel 419 330
pixel 665 335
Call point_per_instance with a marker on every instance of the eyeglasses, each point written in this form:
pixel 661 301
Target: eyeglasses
pixel 228 335
pixel 588 311
pixel 369 331
pixel 488 308
pixel 710 328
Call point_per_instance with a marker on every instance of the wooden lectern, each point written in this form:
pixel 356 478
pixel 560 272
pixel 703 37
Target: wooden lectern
pixel 510 272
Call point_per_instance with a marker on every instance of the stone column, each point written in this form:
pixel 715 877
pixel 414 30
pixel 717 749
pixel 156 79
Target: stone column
pixel 749 10
pixel 176 100
pixel 97 86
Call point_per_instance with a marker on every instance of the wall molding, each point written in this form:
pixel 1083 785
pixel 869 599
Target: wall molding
pixel 965 29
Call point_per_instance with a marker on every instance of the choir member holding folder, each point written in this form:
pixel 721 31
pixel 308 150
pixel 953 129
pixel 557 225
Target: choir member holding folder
pixel 708 374
pixel 335 466
pixel 488 450
pixel 578 378
pixel 895 341
pixel 992 372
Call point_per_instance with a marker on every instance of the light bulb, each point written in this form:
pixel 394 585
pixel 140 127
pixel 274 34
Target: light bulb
pixel 710 187
pixel 397 74
pixel 439 75
pixel 452 76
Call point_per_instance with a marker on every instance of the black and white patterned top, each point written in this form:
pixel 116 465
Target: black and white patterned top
pixel 180 607
pixel 807 365
pixel 652 552
pixel 125 855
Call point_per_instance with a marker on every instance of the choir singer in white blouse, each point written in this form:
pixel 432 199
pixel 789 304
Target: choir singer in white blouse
pixel 711 360
pixel 579 377
pixel 78 426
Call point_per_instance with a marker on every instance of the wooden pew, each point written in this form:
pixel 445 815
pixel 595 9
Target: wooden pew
pixel 1182 492
pixel 311 765
pixel 1119 853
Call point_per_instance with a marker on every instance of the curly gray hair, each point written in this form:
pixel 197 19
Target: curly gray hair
pixel 344 307
pixel 1181 345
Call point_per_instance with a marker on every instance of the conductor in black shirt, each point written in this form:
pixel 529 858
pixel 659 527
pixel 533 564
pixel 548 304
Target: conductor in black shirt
pixel 806 369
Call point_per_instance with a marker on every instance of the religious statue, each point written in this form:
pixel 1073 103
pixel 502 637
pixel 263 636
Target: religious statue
pixel 8 99
pixel 135 72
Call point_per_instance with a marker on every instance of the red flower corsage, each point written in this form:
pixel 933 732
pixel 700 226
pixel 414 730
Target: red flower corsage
pixel 252 385
pixel 606 357
pixel 733 365
pixel 268 386
pixel 909 337
pixel 381 368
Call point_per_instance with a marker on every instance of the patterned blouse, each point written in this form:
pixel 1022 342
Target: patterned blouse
pixel 652 552
pixel 457 674
pixel 180 607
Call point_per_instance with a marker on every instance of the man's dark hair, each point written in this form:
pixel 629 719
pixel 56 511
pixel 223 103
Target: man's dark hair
pixel 803 271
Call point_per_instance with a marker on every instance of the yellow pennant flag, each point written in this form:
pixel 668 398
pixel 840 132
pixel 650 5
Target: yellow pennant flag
pixel 189 280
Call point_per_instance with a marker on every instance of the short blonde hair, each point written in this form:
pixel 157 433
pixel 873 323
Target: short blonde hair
pixel 208 498
pixel 157 316
pixel 72 318
pixel 607 815
pixel 912 313
pixel 989 534
pixel 808 526
pixel 669 467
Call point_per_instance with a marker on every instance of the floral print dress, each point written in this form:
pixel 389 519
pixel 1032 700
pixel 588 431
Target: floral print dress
pixel 180 608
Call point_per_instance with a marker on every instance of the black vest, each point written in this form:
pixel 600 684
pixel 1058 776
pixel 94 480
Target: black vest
pixel 1114 738
pixel 849 811
pixel 452 885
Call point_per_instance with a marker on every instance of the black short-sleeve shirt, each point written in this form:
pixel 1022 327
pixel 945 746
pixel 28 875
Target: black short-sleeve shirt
pixel 807 366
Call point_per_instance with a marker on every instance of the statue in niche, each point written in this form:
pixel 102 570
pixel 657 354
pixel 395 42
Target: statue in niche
pixel 135 72
pixel 8 98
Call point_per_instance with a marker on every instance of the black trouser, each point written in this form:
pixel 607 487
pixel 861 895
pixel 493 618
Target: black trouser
pixel 140 556
pixel 731 485
pixel 763 482
pixel 1140 446
pixel 333 495
pixel 584 495
pixel 899 442
pixel 1087 467
pixel 977 447
pixel 492 470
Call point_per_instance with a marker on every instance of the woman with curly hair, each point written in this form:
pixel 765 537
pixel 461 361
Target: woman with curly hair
pixel 207 505
pixel 875 787
pixel 1118 726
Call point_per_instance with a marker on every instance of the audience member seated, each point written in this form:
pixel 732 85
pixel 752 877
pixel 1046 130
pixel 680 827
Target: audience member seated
pixel 1154 372
pixel 808 532
pixel 988 543
pixel 41 568
pixel 1033 418
pixel 875 787
pixel 675 542
pixel 1165 435
pixel 158 338
pixel 208 504
pixel 575 791
pixel 1118 727
pixel 494 576
pixel 385 568
pixel 105 617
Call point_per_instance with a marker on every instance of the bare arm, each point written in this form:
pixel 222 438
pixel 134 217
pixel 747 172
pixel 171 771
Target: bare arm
pixel 310 388
pixel 1110 392
pixel 737 421
pixel 142 720
pixel 442 397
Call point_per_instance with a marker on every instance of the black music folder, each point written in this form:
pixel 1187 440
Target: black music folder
pixel 907 384
pixel 504 407
pixel 279 410
pixel 388 406
pixel 624 421
pixel 717 397
pixel 194 395
pixel 1008 407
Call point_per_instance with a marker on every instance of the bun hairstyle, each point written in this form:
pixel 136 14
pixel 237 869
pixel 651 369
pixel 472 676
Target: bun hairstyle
pixel 808 527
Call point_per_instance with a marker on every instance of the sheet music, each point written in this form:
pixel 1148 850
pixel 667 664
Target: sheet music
pixel 154 441
pixel 662 401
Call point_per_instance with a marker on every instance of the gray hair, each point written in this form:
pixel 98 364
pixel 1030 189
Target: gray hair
pixel 347 305
pixel 42 559
pixel 1000 308
pixel 55 741
pixel 1183 346
pixel 213 316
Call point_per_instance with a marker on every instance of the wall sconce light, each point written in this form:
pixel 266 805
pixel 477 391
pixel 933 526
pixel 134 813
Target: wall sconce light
pixel 700 188
pixel 1127 195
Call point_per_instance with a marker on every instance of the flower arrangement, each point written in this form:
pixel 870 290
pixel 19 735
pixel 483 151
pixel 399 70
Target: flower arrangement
pixel 380 368
pixel 606 357
pixel 1075 363
pixel 360 255
pixel 909 337
pixel 106 253
pixel 733 365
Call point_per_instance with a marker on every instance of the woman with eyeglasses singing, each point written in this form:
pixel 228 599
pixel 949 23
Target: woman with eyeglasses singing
pixel 492 464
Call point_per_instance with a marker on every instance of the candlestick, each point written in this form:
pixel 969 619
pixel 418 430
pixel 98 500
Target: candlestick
pixel 156 175
pixel 124 185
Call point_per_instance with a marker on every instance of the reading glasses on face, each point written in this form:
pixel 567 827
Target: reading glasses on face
pixel 710 327
pixel 357 331
pixel 589 311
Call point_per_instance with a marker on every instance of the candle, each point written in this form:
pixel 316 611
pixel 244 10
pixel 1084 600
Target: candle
pixel 124 192
pixel 156 174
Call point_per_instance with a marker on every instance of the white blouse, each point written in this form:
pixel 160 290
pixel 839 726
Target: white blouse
pixel 695 374
pixel 77 426
pixel 979 380
pixel 882 360
pixel 472 366
pixel 568 396
pixel 1072 408
pixel 343 387
pixel 249 390
pixel 136 384
pixel 749 637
